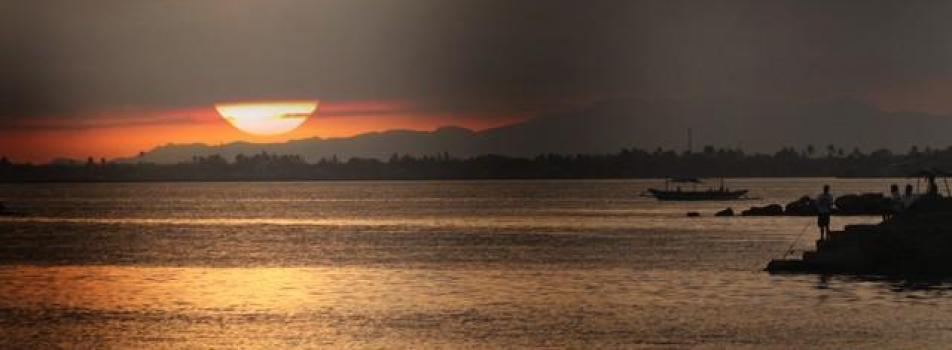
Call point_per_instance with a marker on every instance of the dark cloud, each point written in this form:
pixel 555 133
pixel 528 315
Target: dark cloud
pixel 59 124
pixel 70 57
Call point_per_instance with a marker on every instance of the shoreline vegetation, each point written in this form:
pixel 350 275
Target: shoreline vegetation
pixel 627 163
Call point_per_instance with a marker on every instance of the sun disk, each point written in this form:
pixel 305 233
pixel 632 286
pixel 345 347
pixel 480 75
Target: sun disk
pixel 266 118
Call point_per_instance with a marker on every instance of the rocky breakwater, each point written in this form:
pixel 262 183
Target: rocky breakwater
pixel 850 204
pixel 916 242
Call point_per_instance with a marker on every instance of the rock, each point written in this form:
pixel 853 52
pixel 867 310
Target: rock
pixel 769 210
pixel 862 204
pixel 805 206
pixel 693 214
pixel 725 212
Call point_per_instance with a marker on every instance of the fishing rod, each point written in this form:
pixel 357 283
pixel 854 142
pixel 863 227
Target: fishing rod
pixel 795 242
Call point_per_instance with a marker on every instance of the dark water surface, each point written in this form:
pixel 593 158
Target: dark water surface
pixel 484 264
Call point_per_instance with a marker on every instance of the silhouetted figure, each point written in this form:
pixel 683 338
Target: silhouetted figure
pixel 908 197
pixel 894 206
pixel 824 206
pixel 933 189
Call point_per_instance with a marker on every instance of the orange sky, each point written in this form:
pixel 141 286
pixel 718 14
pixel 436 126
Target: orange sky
pixel 123 133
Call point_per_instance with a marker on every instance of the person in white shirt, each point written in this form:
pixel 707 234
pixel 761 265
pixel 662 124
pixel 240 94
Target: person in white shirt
pixel 824 206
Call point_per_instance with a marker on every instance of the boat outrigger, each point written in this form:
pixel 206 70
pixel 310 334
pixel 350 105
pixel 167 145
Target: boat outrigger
pixel 711 194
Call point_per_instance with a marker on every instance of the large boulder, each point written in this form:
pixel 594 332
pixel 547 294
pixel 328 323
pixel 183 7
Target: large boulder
pixel 768 210
pixel 861 204
pixel 805 206
pixel 725 212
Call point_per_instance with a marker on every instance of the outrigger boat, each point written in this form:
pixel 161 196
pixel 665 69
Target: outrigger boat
pixel 719 194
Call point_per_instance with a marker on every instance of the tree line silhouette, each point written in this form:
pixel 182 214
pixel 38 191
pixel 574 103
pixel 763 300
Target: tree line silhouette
pixel 627 163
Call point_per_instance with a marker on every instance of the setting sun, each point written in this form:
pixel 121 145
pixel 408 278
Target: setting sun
pixel 266 118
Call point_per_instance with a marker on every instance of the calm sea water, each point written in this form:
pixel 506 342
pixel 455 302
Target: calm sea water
pixel 478 264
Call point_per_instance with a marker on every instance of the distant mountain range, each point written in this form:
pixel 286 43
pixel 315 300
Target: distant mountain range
pixel 609 126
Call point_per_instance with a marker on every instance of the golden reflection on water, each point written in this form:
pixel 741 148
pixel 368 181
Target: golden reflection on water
pixel 340 307
pixel 137 288
pixel 266 289
pixel 522 222
pixel 289 290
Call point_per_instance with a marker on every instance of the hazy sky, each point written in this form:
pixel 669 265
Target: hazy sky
pixel 98 69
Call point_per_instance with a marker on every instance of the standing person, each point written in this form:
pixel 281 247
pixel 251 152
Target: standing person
pixel 933 190
pixel 894 204
pixel 824 206
pixel 908 198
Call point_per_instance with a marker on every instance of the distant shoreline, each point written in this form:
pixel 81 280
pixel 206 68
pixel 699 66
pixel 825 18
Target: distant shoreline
pixel 626 164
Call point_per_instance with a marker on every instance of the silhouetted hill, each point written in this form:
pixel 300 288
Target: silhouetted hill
pixel 370 145
pixel 608 126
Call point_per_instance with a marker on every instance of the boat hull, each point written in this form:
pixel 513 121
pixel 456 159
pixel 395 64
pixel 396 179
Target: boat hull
pixel 666 195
